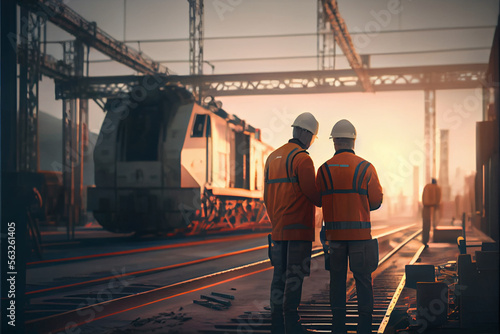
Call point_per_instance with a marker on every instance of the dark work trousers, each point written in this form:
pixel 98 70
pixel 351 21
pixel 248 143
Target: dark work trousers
pixel 291 261
pixel 363 260
pixel 426 223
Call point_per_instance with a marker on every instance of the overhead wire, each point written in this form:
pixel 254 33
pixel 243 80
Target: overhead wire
pixel 315 34
pixel 167 40
pixel 314 56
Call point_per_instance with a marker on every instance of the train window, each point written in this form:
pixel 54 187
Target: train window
pixel 140 134
pixel 199 126
pixel 201 122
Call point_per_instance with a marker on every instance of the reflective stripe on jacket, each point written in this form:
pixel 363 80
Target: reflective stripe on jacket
pixel 350 189
pixel 291 212
pixel 431 195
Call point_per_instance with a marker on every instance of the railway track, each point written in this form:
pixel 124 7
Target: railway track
pixel 116 294
pixel 142 250
pixel 72 291
pixel 316 313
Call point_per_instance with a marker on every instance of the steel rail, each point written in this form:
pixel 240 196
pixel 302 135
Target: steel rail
pixel 401 245
pixel 395 297
pixel 144 271
pixel 131 302
pixel 146 249
pixel 317 314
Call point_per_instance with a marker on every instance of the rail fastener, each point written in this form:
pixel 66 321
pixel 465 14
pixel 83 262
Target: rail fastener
pixel 222 295
pixel 210 305
pixel 215 300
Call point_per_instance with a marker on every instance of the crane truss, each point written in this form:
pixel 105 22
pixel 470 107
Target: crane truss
pixel 343 39
pixel 64 17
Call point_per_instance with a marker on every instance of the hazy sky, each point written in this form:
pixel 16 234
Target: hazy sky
pixel 390 124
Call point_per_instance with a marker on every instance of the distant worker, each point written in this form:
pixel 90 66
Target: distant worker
pixel 350 189
pixel 290 195
pixel 431 198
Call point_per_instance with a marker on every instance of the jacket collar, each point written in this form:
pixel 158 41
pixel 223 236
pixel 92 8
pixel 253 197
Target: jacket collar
pixel 298 142
pixel 343 151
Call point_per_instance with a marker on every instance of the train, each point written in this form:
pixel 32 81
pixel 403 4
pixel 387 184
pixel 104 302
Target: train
pixel 165 163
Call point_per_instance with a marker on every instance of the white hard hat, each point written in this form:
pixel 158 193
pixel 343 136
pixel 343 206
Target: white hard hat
pixel 308 122
pixel 343 129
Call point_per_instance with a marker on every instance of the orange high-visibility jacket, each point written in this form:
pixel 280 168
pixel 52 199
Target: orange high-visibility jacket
pixel 350 189
pixel 291 212
pixel 431 195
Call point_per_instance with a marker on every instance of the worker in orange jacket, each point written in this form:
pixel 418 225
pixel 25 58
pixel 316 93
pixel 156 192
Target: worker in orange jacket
pixel 431 198
pixel 350 189
pixel 290 195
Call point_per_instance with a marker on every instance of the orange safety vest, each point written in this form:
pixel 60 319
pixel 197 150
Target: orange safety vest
pixel 350 189
pixel 431 195
pixel 290 211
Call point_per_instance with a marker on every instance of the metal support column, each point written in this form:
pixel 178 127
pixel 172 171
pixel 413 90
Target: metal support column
pixel 69 156
pixel 81 114
pixel 28 91
pixel 196 40
pixel 430 135
pixel 75 114
pixel 325 40
pixel 195 36
pixel 83 135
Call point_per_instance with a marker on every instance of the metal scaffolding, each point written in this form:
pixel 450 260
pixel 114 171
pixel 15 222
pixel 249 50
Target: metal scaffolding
pixel 28 91
pixel 196 42
pixel 326 46
pixel 88 32
pixel 195 37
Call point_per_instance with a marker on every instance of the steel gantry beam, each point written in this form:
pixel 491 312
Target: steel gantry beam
pixel 343 39
pixel 64 17
pixel 313 82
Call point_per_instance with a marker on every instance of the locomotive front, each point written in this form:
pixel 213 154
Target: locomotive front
pixel 164 162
